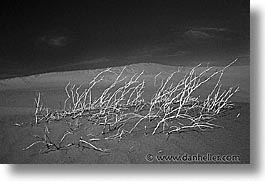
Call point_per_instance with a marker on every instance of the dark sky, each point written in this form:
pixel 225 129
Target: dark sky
pixel 42 36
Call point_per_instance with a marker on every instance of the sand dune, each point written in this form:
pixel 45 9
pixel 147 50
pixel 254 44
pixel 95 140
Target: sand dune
pixel 17 109
pixel 234 75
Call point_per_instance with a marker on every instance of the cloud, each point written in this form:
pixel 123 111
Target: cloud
pixel 211 29
pixel 195 34
pixel 199 33
pixel 58 41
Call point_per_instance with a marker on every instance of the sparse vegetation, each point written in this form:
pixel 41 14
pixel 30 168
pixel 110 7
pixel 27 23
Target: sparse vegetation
pixel 121 109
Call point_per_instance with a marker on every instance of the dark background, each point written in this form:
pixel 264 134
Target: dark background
pixel 44 36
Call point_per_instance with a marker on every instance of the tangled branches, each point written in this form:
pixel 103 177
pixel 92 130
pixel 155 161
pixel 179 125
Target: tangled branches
pixel 120 108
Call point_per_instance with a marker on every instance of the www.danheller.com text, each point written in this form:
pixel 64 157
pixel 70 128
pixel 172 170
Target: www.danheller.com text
pixel 193 158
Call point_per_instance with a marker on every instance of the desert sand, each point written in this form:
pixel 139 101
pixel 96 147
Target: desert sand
pixel 17 113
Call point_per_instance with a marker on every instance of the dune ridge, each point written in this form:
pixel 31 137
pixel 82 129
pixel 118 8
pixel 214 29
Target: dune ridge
pixel 59 79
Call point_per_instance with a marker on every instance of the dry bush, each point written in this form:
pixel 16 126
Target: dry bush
pixel 120 108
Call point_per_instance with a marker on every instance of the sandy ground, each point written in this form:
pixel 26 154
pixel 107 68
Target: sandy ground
pixel 17 106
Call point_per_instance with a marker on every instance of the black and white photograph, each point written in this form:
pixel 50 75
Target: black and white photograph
pixel 125 82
